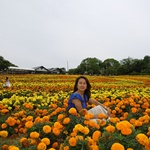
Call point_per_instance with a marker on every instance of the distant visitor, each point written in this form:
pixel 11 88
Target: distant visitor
pixel 7 83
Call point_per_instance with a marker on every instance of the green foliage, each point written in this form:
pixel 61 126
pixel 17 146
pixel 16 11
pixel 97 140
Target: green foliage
pixel 4 64
pixel 110 66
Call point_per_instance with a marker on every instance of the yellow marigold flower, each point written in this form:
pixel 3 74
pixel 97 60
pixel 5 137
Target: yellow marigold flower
pixel 117 146
pixel 72 141
pixel 13 148
pixel 41 146
pixel 34 135
pixel 46 141
pixel 110 128
pixel 72 111
pixel 46 129
pixel 78 126
pixel 96 135
pixel 142 139
pixel 66 120
pixel 129 148
pixel 86 130
pixel 3 134
pixel 28 124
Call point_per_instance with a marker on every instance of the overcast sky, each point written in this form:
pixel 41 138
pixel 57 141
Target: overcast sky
pixel 54 33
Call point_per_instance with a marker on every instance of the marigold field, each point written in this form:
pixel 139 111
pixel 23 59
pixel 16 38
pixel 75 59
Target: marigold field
pixel 34 116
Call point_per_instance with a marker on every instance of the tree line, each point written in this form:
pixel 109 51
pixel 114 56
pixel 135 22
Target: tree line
pixel 110 66
pixel 94 66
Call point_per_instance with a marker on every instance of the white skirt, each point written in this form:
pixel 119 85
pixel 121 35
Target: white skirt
pixel 97 110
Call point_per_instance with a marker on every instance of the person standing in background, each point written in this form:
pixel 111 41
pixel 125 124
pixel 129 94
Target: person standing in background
pixel 7 83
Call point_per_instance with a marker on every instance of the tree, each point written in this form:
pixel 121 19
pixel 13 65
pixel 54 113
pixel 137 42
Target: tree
pixel 4 64
pixel 110 66
pixel 146 65
pixel 126 66
pixel 90 66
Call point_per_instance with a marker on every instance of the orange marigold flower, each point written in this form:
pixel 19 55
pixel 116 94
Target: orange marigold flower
pixel 132 120
pixel 4 125
pixel 57 125
pixel 28 124
pixel 41 146
pixel 88 116
pixel 5 147
pixel 72 111
pixel 101 116
pixel 46 118
pixel 11 121
pixel 46 141
pixel 56 131
pixel 3 134
pixel 126 131
pixel 47 129
pixel 117 146
pixel 29 118
pixel 66 120
pixel 138 123
pixel 66 148
pixel 60 116
pixel 4 111
pixel 110 128
pixel 133 110
pixel 83 112
pixel 96 135
pixel 55 144
pixel 13 148
pixel 34 135
pixel 22 139
pixel 72 141
pixel 142 139
pixel 123 124
pixel 113 120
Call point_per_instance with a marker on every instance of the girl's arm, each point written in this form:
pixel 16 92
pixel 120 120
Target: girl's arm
pixel 77 104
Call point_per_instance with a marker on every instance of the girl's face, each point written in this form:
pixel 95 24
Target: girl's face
pixel 81 85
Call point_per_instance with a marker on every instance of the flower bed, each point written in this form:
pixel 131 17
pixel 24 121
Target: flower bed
pixel 33 114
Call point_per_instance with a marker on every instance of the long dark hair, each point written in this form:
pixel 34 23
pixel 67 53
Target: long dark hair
pixel 88 90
